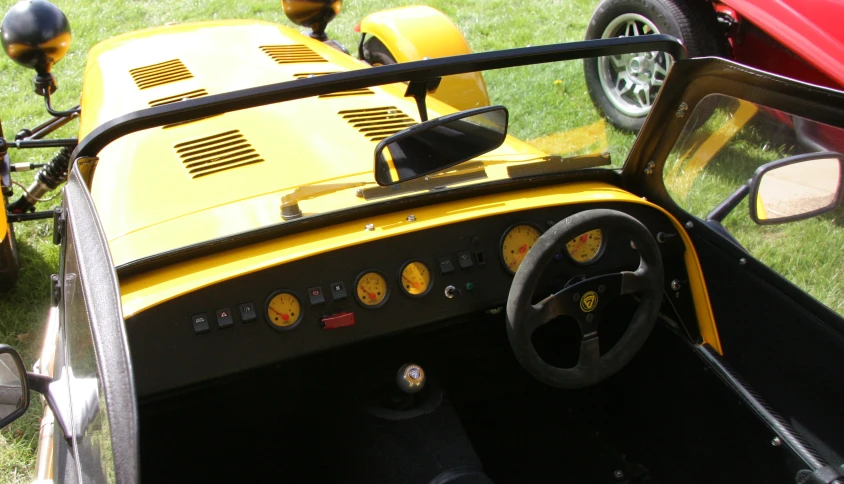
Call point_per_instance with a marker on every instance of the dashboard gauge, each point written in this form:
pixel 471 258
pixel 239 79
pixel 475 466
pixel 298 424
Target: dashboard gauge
pixel 516 243
pixel 587 247
pixel 283 310
pixel 415 279
pixel 371 289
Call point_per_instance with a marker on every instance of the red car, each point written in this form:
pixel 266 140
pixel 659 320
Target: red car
pixel 800 39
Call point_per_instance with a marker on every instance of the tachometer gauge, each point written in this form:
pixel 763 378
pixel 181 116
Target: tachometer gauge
pixel 415 279
pixel 283 310
pixel 371 289
pixel 587 247
pixel 516 243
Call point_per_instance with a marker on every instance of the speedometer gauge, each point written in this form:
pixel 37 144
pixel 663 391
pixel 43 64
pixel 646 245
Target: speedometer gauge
pixel 586 247
pixel 371 289
pixel 516 243
pixel 283 310
pixel 415 279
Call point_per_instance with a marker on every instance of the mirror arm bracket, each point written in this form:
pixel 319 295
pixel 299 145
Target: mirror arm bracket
pixel 724 208
pixel 418 90
pixel 44 385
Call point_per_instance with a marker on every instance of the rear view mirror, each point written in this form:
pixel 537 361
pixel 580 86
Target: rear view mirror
pixel 440 143
pixel 796 188
pixel 14 394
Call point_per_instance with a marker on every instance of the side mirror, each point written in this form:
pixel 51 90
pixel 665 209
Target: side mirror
pixel 313 14
pixel 796 188
pixel 14 393
pixel 440 143
pixel 36 34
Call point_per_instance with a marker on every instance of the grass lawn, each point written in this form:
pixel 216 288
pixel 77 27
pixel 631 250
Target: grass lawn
pixel 555 97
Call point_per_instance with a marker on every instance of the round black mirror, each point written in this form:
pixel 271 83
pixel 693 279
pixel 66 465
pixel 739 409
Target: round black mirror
pixel 36 34
pixel 314 14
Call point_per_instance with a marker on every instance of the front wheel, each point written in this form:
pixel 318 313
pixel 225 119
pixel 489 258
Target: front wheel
pixel 624 87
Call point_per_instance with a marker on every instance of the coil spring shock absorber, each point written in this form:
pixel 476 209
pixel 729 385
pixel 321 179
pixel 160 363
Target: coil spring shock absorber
pixel 47 179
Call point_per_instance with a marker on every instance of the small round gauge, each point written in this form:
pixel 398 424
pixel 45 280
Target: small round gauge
pixel 283 310
pixel 415 279
pixel 586 247
pixel 516 243
pixel 371 289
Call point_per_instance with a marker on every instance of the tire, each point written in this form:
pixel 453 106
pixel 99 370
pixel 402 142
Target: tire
pixel 9 260
pixel 376 53
pixel 623 88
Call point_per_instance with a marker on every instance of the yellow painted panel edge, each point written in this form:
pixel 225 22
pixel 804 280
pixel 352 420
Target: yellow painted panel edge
pixel 150 289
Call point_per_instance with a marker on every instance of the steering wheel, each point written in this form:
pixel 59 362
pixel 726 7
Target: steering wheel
pixel 585 301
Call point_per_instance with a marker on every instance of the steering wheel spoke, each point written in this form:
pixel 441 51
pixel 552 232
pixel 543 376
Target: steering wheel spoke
pixel 545 311
pixel 635 282
pixel 590 351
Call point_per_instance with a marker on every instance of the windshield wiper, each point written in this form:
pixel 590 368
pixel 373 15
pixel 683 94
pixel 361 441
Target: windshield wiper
pixel 558 164
pixel 290 203
pixel 464 172
pixel 458 174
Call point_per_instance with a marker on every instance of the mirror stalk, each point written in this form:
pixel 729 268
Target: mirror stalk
pixel 418 90
pixel 724 208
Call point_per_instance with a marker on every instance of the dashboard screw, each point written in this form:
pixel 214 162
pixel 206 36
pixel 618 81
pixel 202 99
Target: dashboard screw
pixel 601 288
pixel 742 261
pixel 589 317
pixel 576 297
pixel 675 285
pixel 683 106
pixel 776 442
pixel 411 218
pixel 618 474
pixel 370 227
pixel 689 224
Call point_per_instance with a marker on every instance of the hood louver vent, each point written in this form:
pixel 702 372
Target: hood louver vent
pixel 378 123
pixel 291 54
pixel 178 97
pixel 354 92
pixel 216 153
pixel 158 74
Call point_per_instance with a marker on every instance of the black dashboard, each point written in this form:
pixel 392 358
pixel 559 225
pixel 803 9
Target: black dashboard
pixel 323 302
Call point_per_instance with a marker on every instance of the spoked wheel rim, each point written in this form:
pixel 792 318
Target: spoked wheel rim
pixel 631 81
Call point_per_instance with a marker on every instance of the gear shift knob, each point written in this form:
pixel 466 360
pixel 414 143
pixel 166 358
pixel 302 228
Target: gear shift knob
pixel 410 378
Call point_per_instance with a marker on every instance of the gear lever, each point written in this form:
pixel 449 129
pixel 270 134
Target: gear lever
pixel 410 378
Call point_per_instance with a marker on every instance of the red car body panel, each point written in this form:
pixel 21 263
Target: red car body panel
pixel 810 29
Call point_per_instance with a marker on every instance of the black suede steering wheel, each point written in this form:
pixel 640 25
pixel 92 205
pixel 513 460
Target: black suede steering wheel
pixel 585 301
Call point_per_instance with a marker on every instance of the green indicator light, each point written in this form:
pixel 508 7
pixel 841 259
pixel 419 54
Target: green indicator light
pixel 470 286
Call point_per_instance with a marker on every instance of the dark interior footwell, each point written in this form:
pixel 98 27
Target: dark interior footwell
pixel 664 418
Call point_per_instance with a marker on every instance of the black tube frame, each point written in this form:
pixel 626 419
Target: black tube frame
pixel 217 104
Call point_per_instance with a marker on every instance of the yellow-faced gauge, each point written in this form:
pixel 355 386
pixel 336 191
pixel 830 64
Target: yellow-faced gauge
pixel 586 247
pixel 371 289
pixel 516 243
pixel 283 310
pixel 415 279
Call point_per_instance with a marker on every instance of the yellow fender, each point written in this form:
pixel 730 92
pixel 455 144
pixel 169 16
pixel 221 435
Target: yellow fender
pixel 419 32
pixel 3 223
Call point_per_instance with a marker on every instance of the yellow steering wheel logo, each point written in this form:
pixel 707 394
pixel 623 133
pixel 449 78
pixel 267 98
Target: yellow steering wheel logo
pixel 589 302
